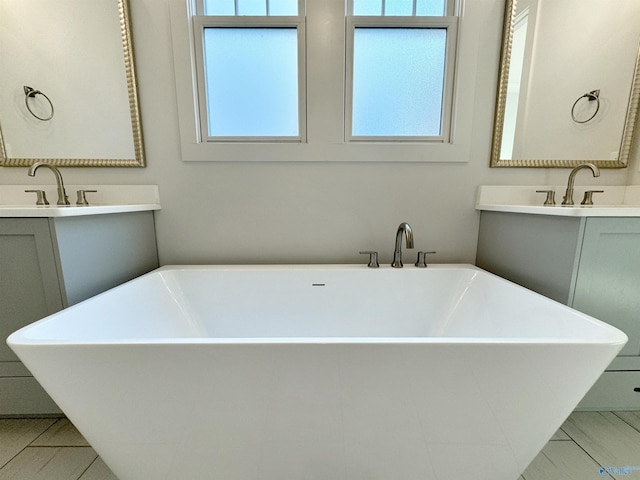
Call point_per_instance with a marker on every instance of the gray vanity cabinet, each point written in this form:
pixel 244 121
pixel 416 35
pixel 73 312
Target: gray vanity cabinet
pixel 47 264
pixel 589 263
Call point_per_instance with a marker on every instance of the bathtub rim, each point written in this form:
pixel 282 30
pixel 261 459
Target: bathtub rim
pixel 615 336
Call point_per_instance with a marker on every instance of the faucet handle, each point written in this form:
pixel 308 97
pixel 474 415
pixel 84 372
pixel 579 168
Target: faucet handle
pixel 82 196
pixel 422 259
pixel 42 197
pixel 373 258
pixel 588 197
pixel 550 199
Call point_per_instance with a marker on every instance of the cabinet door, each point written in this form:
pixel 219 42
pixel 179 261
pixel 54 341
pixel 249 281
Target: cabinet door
pixel 98 252
pixel 608 281
pixel 29 287
pixel 535 251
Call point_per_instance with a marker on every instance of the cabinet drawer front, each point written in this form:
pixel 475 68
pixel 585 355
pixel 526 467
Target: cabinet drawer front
pixel 613 391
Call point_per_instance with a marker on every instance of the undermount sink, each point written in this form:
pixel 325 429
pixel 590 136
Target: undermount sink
pixel 614 201
pixel 15 202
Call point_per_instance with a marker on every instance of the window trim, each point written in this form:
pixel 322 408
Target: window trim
pixel 325 29
pixel 202 22
pixel 449 23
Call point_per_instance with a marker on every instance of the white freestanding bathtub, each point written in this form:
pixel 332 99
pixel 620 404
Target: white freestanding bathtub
pixel 317 372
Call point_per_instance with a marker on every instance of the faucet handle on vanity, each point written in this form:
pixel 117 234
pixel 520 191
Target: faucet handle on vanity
pixel 373 258
pixel 550 199
pixel 588 197
pixel 42 197
pixel 422 259
pixel 82 198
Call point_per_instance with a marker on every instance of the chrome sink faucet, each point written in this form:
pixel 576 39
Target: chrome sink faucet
pixel 62 194
pixel 568 196
pixel 405 229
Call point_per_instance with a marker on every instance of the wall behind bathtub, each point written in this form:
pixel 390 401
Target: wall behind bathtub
pixel 308 212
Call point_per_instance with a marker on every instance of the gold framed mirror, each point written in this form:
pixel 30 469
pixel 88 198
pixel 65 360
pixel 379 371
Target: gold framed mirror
pixel 569 83
pixel 69 93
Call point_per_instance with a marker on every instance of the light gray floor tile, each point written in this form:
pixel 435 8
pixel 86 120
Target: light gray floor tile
pixel 98 471
pixel 49 463
pixel 61 434
pixel 605 437
pixel 16 434
pixel 560 435
pixel 632 418
pixel 562 460
pixel 587 441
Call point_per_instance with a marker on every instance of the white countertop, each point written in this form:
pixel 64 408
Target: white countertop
pixel 15 202
pixel 616 201
pixel 70 211
pixel 575 211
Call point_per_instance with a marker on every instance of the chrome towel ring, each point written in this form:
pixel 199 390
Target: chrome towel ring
pixel 592 96
pixel 31 93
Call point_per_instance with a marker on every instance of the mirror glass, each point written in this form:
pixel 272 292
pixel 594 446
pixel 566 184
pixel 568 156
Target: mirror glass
pixel 569 83
pixel 68 92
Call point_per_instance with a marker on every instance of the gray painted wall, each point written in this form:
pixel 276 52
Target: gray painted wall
pixel 316 213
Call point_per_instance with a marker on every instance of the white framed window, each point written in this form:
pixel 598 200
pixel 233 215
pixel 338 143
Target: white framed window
pixel 250 65
pixel 400 65
pixel 317 104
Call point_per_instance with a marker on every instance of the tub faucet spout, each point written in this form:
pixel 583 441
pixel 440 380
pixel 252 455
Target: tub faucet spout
pixel 63 199
pixel 568 196
pixel 405 229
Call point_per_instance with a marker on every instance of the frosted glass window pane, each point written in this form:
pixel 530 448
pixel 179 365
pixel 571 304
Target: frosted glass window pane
pixel 398 94
pixel 424 8
pixel 252 81
pixel 398 7
pixel 283 7
pixel 367 7
pixel 430 8
pixel 252 7
pixel 219 7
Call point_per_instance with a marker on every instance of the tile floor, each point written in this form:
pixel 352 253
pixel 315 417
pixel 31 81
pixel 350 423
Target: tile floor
pixel 47 449
pixel 587 442
pixel 52 449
